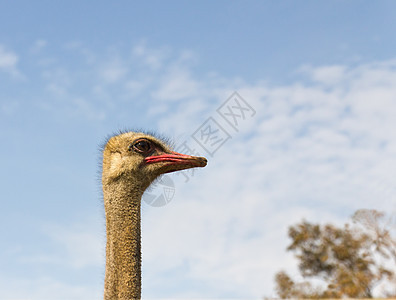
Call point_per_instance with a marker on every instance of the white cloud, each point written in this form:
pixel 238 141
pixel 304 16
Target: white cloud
pixel 82 245
pixel 45 288
pixel 9 107
pixel 87 109
pixel 113 71
pixel 328 75
pixel 79 48
pixel 151 58
pixel 38 46
pixel 176 84
pixel 311 151
pixel 9 61
pixel 77 246
pixel 318 148
pixel 76 249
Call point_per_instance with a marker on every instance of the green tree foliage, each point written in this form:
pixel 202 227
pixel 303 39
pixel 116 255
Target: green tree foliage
pixel 350 261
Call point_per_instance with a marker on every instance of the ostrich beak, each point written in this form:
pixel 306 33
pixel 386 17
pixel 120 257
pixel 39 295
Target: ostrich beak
pixel 180 161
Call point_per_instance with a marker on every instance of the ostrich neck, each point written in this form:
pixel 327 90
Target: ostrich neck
pixel 123 249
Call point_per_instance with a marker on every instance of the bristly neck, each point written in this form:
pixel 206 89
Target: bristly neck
pixel 123 246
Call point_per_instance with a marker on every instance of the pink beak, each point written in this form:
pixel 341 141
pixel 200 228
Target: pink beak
pixel 177 159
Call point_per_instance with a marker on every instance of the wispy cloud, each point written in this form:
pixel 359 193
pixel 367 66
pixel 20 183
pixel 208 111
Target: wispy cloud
pixel 76 249
pixel 312 151
pixel 82 245
pixel 9 107
pixel 8 62
pixel 177 84
pixel 45 288
pixel 154 59
pixel 76 246
pixel 38 46
pixel 113 71
pixel 318 148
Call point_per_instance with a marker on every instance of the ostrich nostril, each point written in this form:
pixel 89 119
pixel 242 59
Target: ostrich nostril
pixel 203 161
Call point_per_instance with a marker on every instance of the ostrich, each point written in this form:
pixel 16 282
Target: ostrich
pixel 131 161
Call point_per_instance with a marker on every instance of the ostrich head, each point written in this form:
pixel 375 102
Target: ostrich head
pixel 131 156
pixel 131 161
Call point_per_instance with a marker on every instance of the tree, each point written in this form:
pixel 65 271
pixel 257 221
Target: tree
pixel 350 261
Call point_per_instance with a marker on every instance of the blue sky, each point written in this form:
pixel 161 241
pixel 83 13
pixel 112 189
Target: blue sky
pixel 321 77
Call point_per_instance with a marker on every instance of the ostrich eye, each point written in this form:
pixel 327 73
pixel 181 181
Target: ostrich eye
pixel 142 146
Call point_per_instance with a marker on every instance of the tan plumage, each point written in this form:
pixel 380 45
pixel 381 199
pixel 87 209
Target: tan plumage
pixel 131 161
